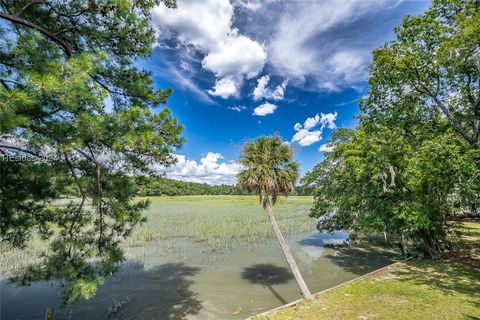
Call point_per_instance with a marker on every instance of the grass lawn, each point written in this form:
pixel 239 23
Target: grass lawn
pixel 442 289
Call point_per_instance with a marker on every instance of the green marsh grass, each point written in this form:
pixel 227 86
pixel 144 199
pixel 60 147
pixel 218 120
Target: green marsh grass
pixel 14 260
pixel 220 219
pixel 214 222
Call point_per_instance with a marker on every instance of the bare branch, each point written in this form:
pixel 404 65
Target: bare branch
pixel 453 120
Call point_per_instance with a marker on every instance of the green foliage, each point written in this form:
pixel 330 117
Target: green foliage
pixel 269 169
pixel 82 289
pixel 161 186
pixel 377 180
pixel 24 188
pixel 413 160
pixel 73 100
pixel 435 60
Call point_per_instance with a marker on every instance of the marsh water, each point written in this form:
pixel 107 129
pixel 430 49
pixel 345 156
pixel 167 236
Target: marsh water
pixel 181 280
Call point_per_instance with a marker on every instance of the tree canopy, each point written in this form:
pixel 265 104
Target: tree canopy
pixel 77 112
pixel 435 59
pixel 413 160
pixel 162 186
pixel 269 169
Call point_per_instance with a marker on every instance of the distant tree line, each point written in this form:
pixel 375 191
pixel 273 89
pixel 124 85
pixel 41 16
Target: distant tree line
pixel 150 186
pixel 162 186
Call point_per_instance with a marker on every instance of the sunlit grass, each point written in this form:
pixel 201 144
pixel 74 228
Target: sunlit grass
pixel 221 219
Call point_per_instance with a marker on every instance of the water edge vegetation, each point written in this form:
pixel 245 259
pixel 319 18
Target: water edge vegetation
pixel 216 221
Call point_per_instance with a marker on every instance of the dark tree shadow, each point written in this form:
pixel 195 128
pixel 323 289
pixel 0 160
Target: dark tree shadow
pixel 162 292
pixel 450 278
pixel 268 275
pixel 361 259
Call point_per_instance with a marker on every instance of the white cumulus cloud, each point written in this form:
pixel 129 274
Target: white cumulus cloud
pixel 328 120
pixel 237 55
pixel 238 108
pixel 207 25
pixel 306 138
pixel 262 91
pixel 312 129
pixel 264 109
pixel 224 88
pixel 279 91
pixel 310 122
pixel 203 24
pixel 209 170
pixel 261 88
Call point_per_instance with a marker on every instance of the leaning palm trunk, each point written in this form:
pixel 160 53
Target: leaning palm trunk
pixel 270 171
pixel 288 255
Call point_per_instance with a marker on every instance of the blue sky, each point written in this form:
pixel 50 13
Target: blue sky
pixel 243 68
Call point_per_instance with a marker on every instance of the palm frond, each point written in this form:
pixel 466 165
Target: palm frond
pixel 269 169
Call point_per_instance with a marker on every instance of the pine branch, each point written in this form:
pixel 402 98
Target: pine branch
pixel 48 34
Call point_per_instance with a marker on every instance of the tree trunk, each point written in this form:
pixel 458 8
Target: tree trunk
pixel 431 246
pixel 403 246
pixel 288 255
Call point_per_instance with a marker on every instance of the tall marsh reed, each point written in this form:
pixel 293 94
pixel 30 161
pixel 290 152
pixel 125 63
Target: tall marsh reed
pixel 217 222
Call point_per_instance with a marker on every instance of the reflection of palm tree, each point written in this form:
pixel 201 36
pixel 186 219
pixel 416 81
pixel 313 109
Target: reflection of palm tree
pixel 269 170
pixel 268 275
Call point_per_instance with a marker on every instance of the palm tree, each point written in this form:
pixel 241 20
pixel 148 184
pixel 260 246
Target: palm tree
pixel 269 170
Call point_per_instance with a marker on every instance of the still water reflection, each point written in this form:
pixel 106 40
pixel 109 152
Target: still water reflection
pixel 179 280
